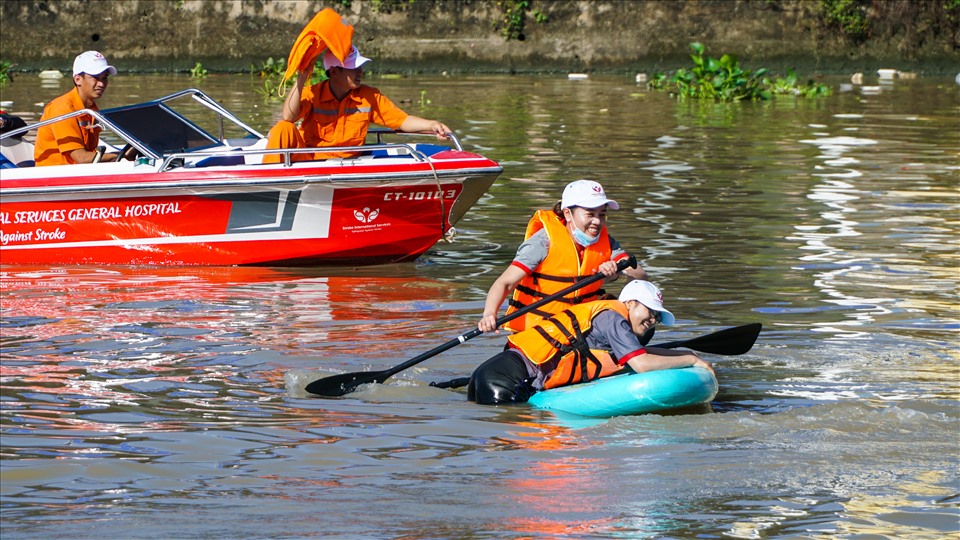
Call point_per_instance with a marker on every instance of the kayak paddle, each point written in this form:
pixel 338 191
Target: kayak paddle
pixel 338 385
pixel 729 341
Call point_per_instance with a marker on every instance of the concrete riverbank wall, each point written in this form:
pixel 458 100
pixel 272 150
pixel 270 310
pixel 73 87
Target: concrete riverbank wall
pixel 471 35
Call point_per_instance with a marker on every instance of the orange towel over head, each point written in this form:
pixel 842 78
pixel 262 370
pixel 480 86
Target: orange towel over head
pixel 325 31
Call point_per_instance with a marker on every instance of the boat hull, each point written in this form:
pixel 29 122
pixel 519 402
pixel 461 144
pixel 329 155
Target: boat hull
pixel 635 393
pixel 202 193
pixel 284 216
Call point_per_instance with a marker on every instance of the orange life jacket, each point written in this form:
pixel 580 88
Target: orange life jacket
pixel 560 269
pixel 558 345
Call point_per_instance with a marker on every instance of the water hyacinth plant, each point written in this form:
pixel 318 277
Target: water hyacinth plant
pixel 789 85
pixel 271 74
pixel 724 80
pixel 198 71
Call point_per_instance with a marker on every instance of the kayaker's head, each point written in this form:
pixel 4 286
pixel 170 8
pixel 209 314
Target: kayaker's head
pixel 347 75
pixel 584 206
pixel 91 74
pixel 645 304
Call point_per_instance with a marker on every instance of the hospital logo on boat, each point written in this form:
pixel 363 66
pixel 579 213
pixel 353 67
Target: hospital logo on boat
pixel 366 215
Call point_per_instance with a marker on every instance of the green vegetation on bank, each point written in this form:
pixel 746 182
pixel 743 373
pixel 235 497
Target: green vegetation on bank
pixel 514 18
pixel 912 22
pixel 850 16
pixel 5 75
pixel 724 80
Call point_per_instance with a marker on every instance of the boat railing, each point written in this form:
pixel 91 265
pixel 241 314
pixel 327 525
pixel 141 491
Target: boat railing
pixel 102 119
pixel 26 129
pixel 380 132
pixel 99 120
pixel 214 106
pixel 198 157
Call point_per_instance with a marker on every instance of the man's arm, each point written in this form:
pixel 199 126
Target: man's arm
pixel 291 105
pixel 82 155
pixel 656 359
pixel 616 335
pixel 416 124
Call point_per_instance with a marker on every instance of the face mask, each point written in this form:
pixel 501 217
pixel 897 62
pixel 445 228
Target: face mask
pixel 583 238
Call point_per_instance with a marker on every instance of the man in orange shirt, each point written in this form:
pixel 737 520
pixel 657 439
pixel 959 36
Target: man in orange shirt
pixel 338 111
pixel 75 140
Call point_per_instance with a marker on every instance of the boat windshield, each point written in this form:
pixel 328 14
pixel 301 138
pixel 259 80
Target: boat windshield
pixel 159 128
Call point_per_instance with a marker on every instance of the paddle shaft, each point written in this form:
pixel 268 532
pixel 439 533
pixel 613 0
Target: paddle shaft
pixel 339 385
pixel 631 262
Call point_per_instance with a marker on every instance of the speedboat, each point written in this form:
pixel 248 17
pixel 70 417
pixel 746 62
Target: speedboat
pixel 199 193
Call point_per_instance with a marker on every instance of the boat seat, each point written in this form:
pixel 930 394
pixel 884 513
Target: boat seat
pixel 219 161
pixel 431 149
pixel 15 153
pixel 425 149
pixel 6 163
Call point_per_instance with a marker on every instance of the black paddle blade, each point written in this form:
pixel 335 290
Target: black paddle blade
pixel 730 341
pixel 647 336
pixel 338 385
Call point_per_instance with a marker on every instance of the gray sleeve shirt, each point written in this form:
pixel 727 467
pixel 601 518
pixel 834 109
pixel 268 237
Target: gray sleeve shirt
pixel 534 250
pixel 611 332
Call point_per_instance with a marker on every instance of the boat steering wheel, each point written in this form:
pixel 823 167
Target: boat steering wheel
pixel 126 148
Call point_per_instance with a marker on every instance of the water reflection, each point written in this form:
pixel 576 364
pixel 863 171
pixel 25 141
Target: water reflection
pixel 141 350
pixel 174 396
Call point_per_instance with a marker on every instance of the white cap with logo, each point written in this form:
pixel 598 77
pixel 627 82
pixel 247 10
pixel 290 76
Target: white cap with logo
pixel 92 63
pixel 352 61
pixel 586 194
pixel 649 295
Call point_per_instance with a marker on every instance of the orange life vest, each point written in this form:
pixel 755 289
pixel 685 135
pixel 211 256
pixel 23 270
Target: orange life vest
pixel 557 345
pixel 560 269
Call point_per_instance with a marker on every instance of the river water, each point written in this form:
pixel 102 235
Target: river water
pixel 168 403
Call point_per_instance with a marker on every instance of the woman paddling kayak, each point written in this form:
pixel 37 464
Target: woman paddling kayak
pixel 583 342
pixel 560 246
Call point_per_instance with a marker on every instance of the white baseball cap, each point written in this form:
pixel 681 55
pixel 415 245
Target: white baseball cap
pixel 649 295
pixel 352 61
pixel 92 63
pixel 586 194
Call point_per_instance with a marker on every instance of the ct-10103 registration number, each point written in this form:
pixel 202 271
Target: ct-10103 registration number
pixel 420 195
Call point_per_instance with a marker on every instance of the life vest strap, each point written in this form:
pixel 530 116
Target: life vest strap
pixel 559 279
pixel 538 295
pixel 576 344
pixel 538 312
